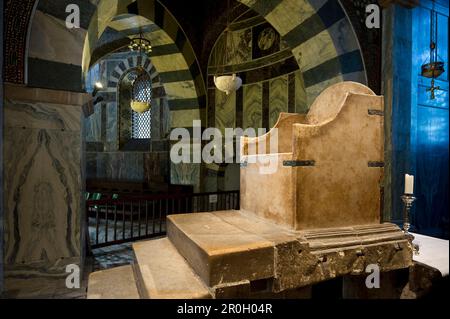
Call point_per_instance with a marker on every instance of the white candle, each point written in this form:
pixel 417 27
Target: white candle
pixel 409 184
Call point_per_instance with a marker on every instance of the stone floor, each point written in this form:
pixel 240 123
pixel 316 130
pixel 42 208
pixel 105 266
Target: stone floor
pixel 123 229
pixel 113 256
pixel 101 258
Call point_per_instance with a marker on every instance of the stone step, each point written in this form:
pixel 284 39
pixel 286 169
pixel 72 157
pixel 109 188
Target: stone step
pixel 114 283
pixel 165 274
pixel 226 247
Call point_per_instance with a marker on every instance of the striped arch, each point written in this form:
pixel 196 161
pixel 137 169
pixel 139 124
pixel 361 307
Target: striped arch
pixel 131 63
pixel 123 63
pixel 321 38
pixel 173 56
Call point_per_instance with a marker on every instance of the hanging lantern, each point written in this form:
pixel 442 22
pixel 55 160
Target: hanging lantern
pixel 434 68
pixel 141 95
pixel 140 44
pixel 227 83
pixel 140 107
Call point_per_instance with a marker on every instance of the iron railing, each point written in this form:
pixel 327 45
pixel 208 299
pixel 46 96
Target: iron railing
pixel 117 221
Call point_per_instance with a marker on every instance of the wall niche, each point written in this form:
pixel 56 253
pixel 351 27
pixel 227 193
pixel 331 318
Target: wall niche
pixel 113 152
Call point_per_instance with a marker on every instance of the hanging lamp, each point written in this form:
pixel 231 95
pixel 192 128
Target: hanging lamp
pixel 435 67
pixel 227 83
pixel 141 86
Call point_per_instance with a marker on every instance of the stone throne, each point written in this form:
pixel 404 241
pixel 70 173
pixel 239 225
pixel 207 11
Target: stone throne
pixel 315 218
pixel 330 163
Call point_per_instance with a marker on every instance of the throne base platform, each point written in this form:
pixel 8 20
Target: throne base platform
pixel 231 254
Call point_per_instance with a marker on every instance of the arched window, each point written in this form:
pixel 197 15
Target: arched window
pixel 135 84
pixel 141 123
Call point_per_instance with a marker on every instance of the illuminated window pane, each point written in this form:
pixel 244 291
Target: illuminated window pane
pixel 141 124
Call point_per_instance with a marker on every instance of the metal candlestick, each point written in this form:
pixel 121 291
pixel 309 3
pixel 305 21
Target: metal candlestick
pixel 408 200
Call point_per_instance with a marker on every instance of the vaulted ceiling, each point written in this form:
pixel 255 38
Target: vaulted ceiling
pixel 201 21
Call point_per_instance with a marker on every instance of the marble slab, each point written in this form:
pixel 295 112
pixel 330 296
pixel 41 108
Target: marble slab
pixel 278 98
pixel 126 166
pixel 241 47
pixel 42 196
pixel 252 106
pixel 339 33
pixel 111 126
pixel 183 118
pixel 156 167
pixel 165 121
pixel 185 174
pixel 288 14
pixel 47 34
pixel 225 110
pixel 93 126
pixel 156 119
pixel 301 103
pixel 181 90
pixel 170 62
pixel 19 114
pixel 315 51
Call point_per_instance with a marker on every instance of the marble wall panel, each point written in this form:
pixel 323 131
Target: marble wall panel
pixel 156 167
pixel 48 33
pixel 225 110
pixel 37 115
pixel 43 219
pixel 91 165
pixel 181 90
pixel 253 106
pixel 289 13
pixel 128 166
pixel 339 33
pixel 111 127
pixel 278 98
pixel 166 119
pixel 43 188
pixel 183 118
pixel 301 103
pixel 170 62
pixel 156 119
pixel 315 51
pixel 125 166
pixel 93 126
pixel 1 163
pixel 242 44
pixel 185 174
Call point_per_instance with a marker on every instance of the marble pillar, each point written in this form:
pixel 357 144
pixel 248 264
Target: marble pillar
pixel 43 187
pixel 1 156
pixel 396 86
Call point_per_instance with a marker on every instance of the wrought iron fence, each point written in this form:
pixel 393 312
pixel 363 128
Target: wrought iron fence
pixel 117 221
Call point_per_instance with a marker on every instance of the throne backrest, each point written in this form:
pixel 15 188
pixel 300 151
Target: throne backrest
pixel 328 104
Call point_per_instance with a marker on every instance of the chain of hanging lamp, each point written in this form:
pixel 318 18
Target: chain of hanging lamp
pixel 141 86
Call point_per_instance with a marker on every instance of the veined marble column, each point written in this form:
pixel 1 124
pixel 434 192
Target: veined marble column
pixel 43 187
pixel 1 155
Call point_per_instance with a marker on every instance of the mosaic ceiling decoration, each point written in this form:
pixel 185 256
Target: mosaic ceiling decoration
pixel 17 19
